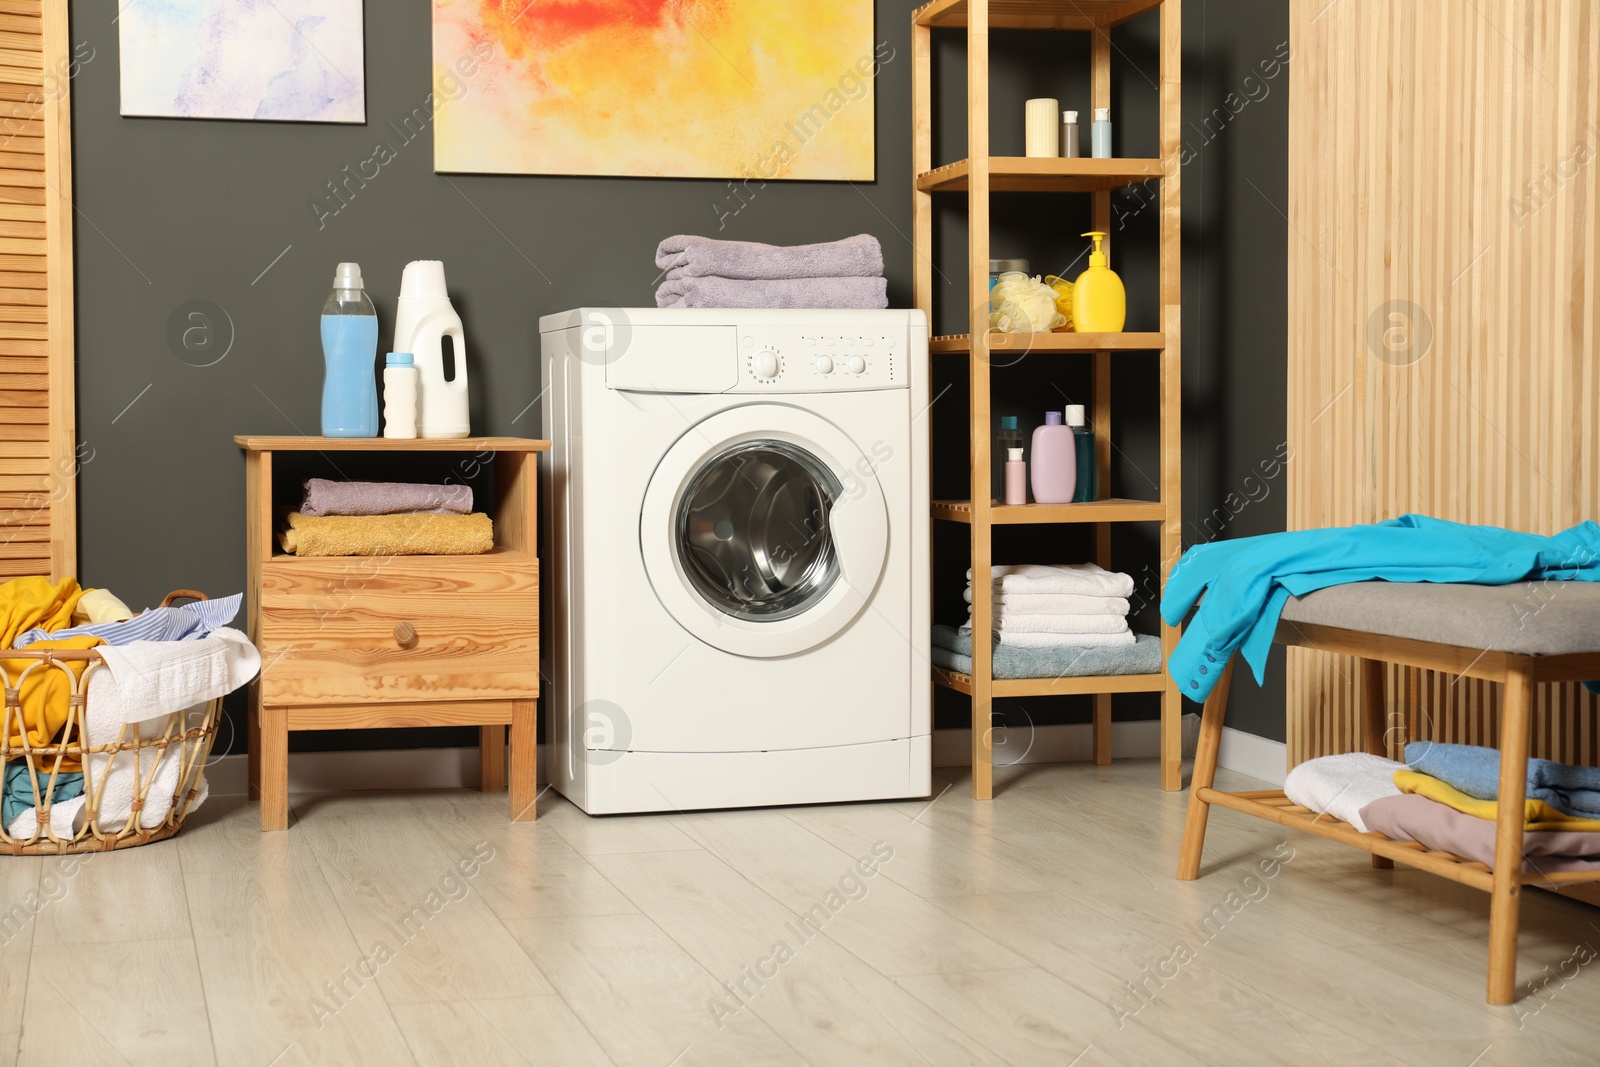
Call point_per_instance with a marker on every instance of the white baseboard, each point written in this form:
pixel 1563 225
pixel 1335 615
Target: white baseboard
pixel 331 772
pixel 1256 756
pixel 457 768
pixel 1067 743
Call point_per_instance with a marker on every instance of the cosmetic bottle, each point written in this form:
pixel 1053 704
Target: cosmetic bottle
pixel 1040 133
pixel 1016 477
pixel 1083 449
pixel 1069 135
pixel 1054 469
pixel 1100 133
pixel 1099 301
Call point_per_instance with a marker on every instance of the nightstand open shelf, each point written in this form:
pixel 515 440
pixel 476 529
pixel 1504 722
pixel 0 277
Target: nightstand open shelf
pixel 359 642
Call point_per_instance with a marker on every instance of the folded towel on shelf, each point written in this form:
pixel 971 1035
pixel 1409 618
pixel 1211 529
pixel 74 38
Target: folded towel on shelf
pixel 1475 771
pixel 690 256
pixel 1342 785
pixel 1537 815
pixel 326 497
pixel 186 622
pixel 1082 578
pixel 827 293
pixel 953 651
pixel 1014 604
pixel 388 535
pixel 1411 817
pixel 1007 625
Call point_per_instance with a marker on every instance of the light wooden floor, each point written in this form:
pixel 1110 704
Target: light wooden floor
pixel 1011 932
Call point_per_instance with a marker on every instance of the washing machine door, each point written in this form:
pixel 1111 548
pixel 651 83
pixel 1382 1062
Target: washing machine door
pixel 764 530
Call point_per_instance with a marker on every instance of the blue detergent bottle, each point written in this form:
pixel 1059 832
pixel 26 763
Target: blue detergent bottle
pixel 349 353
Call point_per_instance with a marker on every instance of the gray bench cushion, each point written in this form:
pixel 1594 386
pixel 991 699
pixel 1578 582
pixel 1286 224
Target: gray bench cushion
pixel 1527 618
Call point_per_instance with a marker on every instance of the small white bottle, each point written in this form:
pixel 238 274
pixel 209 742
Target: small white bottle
pixel 399 396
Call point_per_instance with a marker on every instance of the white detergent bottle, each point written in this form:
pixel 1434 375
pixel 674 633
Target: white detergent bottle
pixel 423 318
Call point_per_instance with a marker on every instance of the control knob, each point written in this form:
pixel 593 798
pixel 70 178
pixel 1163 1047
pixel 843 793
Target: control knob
pixel 766 365
pixel 824 364
pixel 858 365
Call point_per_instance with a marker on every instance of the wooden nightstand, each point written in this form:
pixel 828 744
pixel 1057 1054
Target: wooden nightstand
pixel 357 642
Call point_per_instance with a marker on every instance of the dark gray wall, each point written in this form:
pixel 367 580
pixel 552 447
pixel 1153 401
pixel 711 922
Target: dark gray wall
pixel 176 211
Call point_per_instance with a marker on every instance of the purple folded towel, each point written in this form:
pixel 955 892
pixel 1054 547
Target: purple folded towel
pixel 788 293
pixel 688 256
pixel 325 497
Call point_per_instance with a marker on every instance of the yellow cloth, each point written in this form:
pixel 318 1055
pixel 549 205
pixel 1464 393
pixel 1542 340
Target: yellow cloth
pixel 100 605
pixel 388 535
pixel 30 603
pixel 1537 815
pixel 27 604
pixel 44 697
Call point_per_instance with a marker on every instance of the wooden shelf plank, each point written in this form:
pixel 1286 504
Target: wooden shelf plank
pixel 384 444
pixel 1114 509
pixel 1025 174
pixel 1022 343
pixel 1069 686
pixel 1037 14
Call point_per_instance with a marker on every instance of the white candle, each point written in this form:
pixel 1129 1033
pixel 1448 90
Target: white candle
pixel 1043 131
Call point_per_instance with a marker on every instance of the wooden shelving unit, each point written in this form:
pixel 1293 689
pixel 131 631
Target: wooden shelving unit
pixel 977 176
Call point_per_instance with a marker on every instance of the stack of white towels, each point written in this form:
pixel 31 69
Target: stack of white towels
pixel 1038 605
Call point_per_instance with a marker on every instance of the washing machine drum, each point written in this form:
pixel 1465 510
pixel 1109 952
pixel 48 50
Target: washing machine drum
pixel 764 530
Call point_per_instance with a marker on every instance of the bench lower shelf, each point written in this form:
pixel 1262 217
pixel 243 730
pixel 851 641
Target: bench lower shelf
pixel 1274 806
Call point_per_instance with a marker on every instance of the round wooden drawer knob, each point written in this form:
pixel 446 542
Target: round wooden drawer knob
pixel 405 635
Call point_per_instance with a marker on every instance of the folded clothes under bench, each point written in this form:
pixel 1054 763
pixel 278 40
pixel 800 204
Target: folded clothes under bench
pixel 1519 635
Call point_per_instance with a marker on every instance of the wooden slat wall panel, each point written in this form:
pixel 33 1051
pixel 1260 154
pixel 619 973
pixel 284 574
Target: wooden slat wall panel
pixel 1419 137
pixel 38 496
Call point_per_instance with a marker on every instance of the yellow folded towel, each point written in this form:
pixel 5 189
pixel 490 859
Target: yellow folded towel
pixel 388 535
pixel 1538 814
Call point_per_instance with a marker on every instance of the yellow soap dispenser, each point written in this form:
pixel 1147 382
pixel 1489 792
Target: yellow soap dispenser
pixel 1099 302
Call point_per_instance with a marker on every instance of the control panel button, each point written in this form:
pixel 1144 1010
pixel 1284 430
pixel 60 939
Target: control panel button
pixel 848 342
pixel 867 341
pixel 858 365
pixel 766 365
pixel 889 341
pixel 749 342
pixel 830 340
pixel 824 365
pixel 811 342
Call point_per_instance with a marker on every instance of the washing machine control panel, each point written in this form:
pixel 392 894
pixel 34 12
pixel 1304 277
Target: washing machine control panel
pixel 786 360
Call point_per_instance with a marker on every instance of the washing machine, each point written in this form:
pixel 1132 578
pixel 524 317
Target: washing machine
pixel 737 587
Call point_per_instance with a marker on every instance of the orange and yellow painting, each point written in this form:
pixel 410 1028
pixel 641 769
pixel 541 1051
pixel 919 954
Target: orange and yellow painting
pixel 767 89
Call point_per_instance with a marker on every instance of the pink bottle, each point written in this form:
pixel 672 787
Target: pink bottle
pixel 1054 470
pixel 1016 477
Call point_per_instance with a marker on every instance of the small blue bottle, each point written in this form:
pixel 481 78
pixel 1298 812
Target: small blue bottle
pixel 349 354
pixel 1083 453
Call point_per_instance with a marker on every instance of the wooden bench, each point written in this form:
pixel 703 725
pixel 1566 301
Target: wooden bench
pixel 1518 635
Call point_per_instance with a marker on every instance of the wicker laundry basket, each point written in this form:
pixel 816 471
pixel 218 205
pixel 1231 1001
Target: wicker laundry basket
pixel 144 746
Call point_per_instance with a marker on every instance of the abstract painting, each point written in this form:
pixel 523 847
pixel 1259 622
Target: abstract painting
pixel 739 89
pixel 273 60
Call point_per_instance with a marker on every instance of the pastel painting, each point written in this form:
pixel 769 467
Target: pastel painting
pixel 769 89
pixel 273 60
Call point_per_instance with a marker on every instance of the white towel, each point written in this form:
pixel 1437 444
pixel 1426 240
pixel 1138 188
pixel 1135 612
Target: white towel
pixel 1342 785
pixel 1024 640
pixel 151 678
pixel 1083 578
pixel 1053 603
pixel 63 820
pixel 1054 624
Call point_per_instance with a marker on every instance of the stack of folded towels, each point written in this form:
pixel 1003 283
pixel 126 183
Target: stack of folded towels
pixel 1038 605
pixel 1054 622
pixel 1444 796
pixel 705 273
pixel 386 519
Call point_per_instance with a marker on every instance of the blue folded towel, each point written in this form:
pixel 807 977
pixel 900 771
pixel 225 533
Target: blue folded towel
pixel 952 650
pixel 1476 772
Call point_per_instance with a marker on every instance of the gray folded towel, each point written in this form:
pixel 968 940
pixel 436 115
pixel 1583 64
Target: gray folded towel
pixel 953 651
pixel 688 256
pixel 325 497
pixel 773 293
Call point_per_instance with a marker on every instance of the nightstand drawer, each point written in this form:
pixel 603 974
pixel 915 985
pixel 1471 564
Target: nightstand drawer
pixel 450 639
